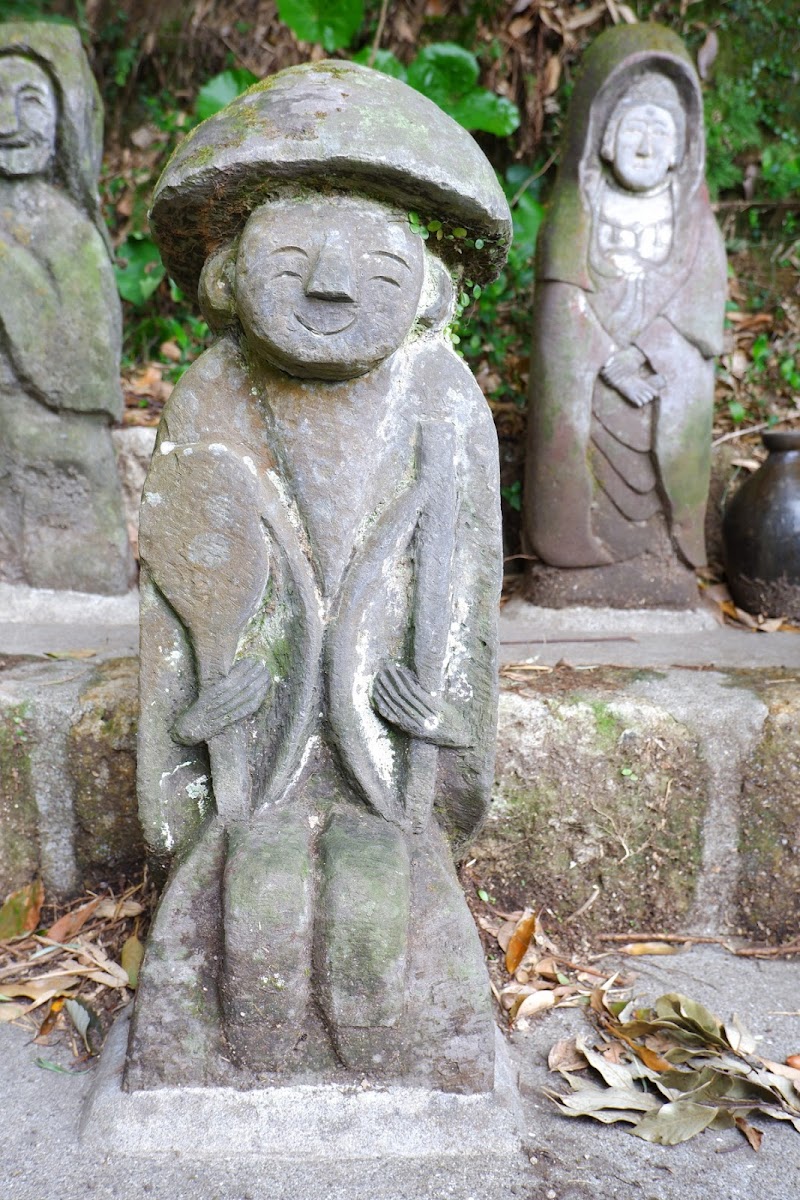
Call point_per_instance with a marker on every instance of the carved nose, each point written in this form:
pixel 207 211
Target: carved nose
pixel 333 276
pixel 645 144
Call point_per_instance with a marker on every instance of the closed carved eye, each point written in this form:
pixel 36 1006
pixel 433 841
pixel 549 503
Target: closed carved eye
pixel 387 279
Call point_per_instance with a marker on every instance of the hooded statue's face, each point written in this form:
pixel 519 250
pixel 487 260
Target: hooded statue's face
pixel 644 148
pixel 327 288
pixel 28 117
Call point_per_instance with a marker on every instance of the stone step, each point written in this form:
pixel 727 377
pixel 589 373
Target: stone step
pixel 641 794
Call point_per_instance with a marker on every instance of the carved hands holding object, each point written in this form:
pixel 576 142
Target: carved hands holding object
pixel 400 698
pixel 238 695
pixel 620 372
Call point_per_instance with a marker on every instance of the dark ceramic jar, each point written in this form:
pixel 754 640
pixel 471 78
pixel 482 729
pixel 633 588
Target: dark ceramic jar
pixel 761 533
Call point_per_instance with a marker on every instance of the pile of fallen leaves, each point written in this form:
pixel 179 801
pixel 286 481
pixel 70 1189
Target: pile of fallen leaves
pixel 74 974
pixel 671 1071
pixel 538 976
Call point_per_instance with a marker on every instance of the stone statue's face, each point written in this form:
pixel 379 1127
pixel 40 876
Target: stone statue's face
pixel 644 147
pixel 327 288
pixel 28 116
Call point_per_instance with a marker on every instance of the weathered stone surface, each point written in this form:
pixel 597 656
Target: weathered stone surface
pixel 19 820
pixel 67 793
pixel 102 765
pixel 321 561
pixel 599 800
pixel 61 522
pixel 133 446
pixel 768 892
pixel 628 314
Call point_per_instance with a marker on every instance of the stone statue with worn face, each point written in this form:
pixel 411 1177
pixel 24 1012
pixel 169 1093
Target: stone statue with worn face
pixel 61 518
pixel 321 568
pixel 628 315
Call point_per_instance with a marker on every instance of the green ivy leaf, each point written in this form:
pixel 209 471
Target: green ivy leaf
pixel 333 23
pixel 143 269
pixel 483 110
pixel 221 89
pixel 384 61
pixel 444 72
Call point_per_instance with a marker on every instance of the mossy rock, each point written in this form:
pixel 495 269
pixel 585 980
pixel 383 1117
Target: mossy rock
pixel 599 801
pixel 768 893
pixel 19 823
pixel 102 764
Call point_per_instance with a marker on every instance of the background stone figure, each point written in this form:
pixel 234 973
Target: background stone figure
pixel 628 314
pixel 320 543
pixel 61 520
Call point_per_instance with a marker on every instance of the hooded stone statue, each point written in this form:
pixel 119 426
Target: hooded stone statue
pixel 61 518
pixel 321 563
pixel 628 315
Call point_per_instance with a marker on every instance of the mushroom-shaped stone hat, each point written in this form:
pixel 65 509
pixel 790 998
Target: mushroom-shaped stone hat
pixel 332 126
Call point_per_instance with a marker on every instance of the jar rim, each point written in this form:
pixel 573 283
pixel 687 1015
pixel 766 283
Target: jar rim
pixel 782 439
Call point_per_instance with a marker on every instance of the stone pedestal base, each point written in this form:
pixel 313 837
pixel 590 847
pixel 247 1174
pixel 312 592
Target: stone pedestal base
pixel 648 581
pixel 319 1122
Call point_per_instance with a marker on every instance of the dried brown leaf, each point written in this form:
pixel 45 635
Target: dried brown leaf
pixel 131 957
pixel 649 948
pixel 21 911
pixel 537 1002
pixel 520 940
pixel 565 1056
pixel 71 923
pixel 753 1135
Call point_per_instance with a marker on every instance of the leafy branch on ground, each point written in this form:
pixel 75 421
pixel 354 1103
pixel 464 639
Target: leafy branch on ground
pixel 671 1071
pixel 68 975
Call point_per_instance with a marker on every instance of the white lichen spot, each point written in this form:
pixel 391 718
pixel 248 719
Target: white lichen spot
pixel 375 733
pixel 153 498
pixel 314 820
pixel 188 450
pixel 167 447
pixel 251 466
pixel 167 839
pixel 457 653
pixel 217 448
pixel 198 790
pixel 165 775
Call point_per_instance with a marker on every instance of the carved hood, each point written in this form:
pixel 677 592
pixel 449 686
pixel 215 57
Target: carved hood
pixel 79 149
pixel 616 61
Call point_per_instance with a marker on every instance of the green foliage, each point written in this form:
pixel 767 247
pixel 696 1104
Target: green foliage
pixel 139 270
pixel 331 23
pixel 381 60
pixel 497 326
pixel 448 74
pixel 221 89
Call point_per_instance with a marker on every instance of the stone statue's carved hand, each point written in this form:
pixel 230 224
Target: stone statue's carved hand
pixel 401 700
pixel 620 372
pixel 238 695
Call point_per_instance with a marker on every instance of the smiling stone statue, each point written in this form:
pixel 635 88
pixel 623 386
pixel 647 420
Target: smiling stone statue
pixel 321 567
pixel 628 313
pixel 61 518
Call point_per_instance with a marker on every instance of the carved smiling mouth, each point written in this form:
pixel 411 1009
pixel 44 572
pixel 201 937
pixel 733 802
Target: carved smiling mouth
pixel 323 332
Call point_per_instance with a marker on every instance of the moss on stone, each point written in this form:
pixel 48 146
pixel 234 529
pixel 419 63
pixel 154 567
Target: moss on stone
pixel 101 751
pixel 599 797
pixel 19 824
pixel 768 892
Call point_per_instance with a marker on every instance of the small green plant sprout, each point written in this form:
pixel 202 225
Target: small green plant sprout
pixel 513 495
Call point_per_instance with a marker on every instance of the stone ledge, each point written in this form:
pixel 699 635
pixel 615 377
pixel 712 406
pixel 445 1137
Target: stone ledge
pixel 317 1123
pixel 667 796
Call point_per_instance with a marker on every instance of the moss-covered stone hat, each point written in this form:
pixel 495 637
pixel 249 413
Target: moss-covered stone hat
pixel 330 125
